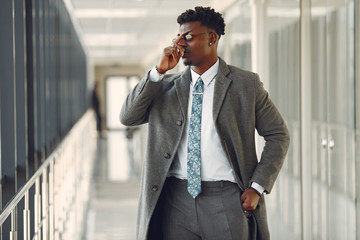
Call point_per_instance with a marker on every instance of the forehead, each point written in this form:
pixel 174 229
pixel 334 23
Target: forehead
pixel 190 27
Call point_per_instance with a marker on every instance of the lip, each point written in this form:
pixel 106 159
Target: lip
pixel 185 53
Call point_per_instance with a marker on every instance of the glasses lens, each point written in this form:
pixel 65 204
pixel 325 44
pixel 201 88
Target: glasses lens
pixel 188 37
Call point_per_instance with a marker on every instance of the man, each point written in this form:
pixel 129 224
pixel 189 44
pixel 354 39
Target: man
pixel 96 106
pixel 201 178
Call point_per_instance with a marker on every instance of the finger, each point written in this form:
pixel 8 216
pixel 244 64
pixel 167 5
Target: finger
pixel 177 52
pixel 243 197
pixel 175 55
pixel 179 39
pixel 246 206
pixel 249 206
pixel 181 51
pixel 171 51
pixel 176 44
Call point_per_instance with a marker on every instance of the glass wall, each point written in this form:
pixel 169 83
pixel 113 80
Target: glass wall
pixel 282 79
pixel 123 141
pixel 284 203
pixel 283 83
pixel 43 88
pixel 322 206
pixel 236 47
pixel 333 120
pixel 357 110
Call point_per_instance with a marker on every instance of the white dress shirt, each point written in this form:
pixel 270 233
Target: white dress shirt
pixel 214 163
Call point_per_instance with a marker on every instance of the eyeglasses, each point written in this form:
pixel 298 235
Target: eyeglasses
pixel 188 37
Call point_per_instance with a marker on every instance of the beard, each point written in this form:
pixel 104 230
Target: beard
pixel 187 63
pixel 185 58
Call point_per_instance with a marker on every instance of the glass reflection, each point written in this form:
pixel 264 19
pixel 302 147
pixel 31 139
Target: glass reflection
pixel 284 89
pixel 333 119
pixel 124 144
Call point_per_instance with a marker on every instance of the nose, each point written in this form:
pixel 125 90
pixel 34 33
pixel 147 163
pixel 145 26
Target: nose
pixel 182 42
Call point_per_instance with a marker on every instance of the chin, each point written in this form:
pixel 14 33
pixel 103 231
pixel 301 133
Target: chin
pixel 187 62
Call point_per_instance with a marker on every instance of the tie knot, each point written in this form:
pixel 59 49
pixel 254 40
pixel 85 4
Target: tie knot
pixel 199 86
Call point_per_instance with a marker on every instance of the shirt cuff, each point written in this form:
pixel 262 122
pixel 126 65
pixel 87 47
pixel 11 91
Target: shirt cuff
pixel 257 187
pixel 155 76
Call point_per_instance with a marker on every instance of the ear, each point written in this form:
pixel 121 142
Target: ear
pixel 212 38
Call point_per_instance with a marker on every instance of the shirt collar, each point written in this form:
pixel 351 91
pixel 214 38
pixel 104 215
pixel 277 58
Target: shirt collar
pixel 207 76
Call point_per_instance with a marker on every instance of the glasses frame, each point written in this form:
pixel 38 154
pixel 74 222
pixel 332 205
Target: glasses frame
pixel 188 37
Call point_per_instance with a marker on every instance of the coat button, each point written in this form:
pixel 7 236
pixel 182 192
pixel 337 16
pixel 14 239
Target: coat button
pixel 179 122
pixel 167 155
pixel 154 188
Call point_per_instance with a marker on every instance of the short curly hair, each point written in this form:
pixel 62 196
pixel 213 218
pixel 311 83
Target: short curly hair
pixel 206 16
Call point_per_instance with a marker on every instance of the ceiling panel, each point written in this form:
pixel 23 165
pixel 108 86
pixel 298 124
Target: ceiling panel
pixel 90 3
pixel 93 25
pixel 136 3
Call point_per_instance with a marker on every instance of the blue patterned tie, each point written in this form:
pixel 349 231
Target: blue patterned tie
pixel 194 156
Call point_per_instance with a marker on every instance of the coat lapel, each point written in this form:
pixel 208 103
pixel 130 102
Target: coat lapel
pixel 222 84
pixel 182 85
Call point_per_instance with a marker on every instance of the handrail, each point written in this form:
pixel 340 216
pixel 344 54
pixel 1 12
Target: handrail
pixel 11 206
pixel 17 198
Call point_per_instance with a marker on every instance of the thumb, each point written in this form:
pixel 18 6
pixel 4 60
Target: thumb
pixel 243 197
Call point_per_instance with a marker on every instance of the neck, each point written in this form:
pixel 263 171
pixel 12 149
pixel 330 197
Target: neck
pixel 201 68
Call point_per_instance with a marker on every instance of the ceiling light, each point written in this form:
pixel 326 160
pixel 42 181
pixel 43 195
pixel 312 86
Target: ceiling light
pixel 111 13
pixel 125 39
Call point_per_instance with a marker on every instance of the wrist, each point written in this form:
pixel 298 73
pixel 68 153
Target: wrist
pixel 257 192
pixel 159 70
pixel 257 187
pixel 155 76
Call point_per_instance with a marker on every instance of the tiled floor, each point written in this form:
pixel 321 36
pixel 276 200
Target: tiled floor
pixel 113 204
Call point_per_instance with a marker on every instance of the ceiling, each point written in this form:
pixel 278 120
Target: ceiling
pixel 127 32
pixel 134 32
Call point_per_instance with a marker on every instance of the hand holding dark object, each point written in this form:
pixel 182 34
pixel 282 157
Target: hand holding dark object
pixel 250 199
pixel 170 56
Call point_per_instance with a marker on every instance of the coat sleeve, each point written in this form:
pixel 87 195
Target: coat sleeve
pixel 270 125
pixel 136 108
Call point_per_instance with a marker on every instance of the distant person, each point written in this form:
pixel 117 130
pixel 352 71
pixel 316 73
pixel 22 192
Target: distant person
pixel 201 177
pixel 96 106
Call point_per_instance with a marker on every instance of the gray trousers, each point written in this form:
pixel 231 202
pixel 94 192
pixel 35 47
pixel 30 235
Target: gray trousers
pixel 216 214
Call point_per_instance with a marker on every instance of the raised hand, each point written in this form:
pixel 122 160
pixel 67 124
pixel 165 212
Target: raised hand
pixel 171 55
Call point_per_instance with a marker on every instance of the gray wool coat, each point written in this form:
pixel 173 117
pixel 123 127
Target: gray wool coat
pixel 241 105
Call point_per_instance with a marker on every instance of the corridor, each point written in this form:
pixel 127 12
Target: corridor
pixel 113 204
pixel 65 64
